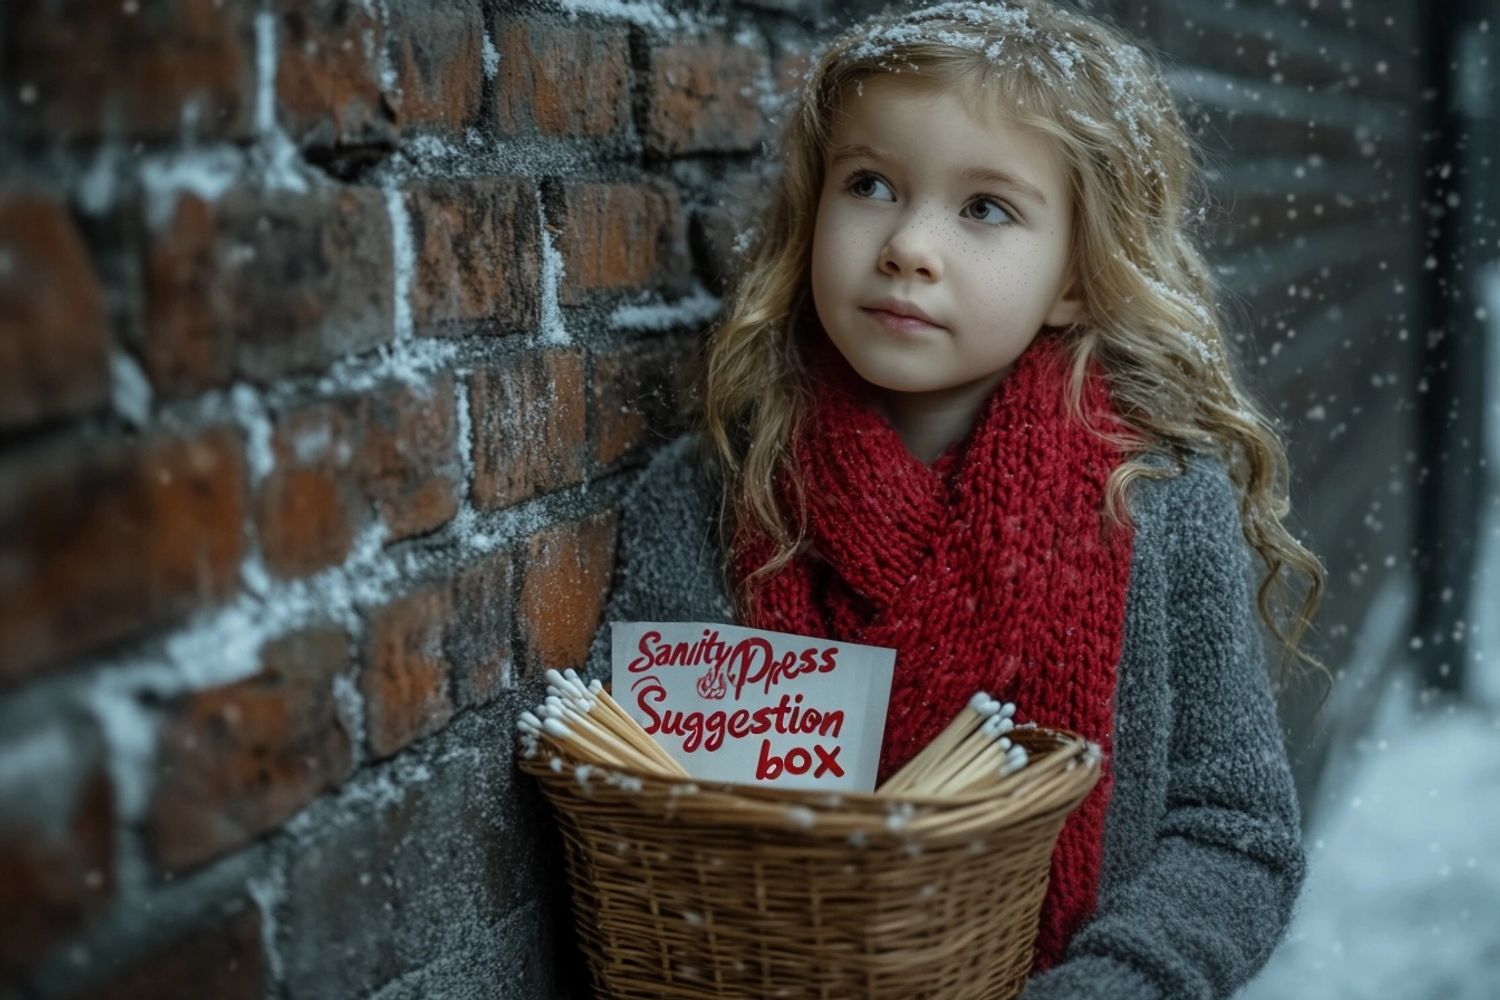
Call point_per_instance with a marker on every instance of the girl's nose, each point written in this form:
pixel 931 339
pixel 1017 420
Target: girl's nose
pixel 910 252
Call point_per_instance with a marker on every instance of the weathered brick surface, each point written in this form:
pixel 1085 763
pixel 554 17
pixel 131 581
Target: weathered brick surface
pixel 528 420
pixel 407 459
pixel 618 236
pixel 478 250
pixel 57 829
pixel 438 52
pixel 471 124
pixel 440 647
pixel 477 638
pixel 562 79
pixel 704 96
pixel 564 585
pixel 329 87
pixel 636 391
pixel 145 70
pixel 441 881
pixel 405 675
pixel 189 316
pixel 238 760
pixel 390 455
pixel 223 958
pixel 100 544
pixel 309 507
pixel 260 286
pixel 54 343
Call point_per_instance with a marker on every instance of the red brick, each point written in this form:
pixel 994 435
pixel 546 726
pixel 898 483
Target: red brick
pixel 57 830
pixel 563 80
pixel 237 761
pixel 407 461
pixel 309 508
pixel 148 70
pixel 478 253
pixel 621 236
pixel 478 634
pixel 405 676
pixel 328 74
pixel 528 419
pixel 189 343
pixel 54 343
pixel 438 52
pixel 221 958
pixel 109 543
pixel 265 285
pixel 704 96
pixel 635 397
pixel 565 584
pixel 391 454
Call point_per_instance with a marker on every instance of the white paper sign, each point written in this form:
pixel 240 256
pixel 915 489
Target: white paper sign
pixel 745 705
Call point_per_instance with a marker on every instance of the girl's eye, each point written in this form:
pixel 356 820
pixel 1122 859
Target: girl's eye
pixel 998 217
pixel 866 185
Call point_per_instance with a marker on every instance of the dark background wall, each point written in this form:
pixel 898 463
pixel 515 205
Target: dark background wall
pixel 330 334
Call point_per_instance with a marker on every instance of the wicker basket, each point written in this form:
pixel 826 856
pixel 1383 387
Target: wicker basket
pixel 691 889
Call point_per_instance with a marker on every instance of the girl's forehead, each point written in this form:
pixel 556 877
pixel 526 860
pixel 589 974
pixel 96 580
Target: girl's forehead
pixel 873 103
pixel 989 101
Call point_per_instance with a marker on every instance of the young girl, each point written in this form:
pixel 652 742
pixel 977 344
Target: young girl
pixel 969 400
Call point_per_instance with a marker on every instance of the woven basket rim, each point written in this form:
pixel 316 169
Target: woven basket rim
pixel 1064 768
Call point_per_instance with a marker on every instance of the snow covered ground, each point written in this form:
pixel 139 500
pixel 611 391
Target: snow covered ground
pixel 1402 900
pixel 1403 892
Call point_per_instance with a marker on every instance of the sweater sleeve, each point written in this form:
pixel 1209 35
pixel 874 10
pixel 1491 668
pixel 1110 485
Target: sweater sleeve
pixel 1203 913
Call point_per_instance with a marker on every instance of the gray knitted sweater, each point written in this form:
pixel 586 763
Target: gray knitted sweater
pixel 1202 856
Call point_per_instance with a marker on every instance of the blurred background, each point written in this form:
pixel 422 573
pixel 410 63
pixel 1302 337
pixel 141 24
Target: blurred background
pixel 331 334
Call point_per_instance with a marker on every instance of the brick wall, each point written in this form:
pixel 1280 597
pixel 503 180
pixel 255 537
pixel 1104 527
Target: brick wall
pixel 330 334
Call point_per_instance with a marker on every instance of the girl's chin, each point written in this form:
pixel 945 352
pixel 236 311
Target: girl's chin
pixel 898 374
pixel 905 383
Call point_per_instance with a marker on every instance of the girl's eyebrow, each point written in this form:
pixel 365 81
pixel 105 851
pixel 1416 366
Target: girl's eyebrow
pixel 981 175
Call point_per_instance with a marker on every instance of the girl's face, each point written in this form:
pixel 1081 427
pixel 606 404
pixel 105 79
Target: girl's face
pixel 907 220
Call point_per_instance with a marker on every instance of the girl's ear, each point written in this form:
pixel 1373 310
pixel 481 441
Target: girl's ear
pixel 1068 309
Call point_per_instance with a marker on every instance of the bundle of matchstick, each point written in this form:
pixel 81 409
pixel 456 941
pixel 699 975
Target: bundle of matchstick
pixel 584 722
pixel 972 753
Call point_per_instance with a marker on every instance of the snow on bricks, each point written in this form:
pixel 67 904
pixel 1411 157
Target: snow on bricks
pixel 391 455
pixel 237 761
pixel 57 833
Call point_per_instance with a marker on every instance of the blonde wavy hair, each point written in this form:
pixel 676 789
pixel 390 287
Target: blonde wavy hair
pixel 1149 313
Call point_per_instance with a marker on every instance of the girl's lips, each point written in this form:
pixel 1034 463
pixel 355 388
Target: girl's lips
pixel 898 322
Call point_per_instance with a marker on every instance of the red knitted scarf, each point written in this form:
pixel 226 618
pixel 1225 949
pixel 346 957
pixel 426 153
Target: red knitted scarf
pixel 991 569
